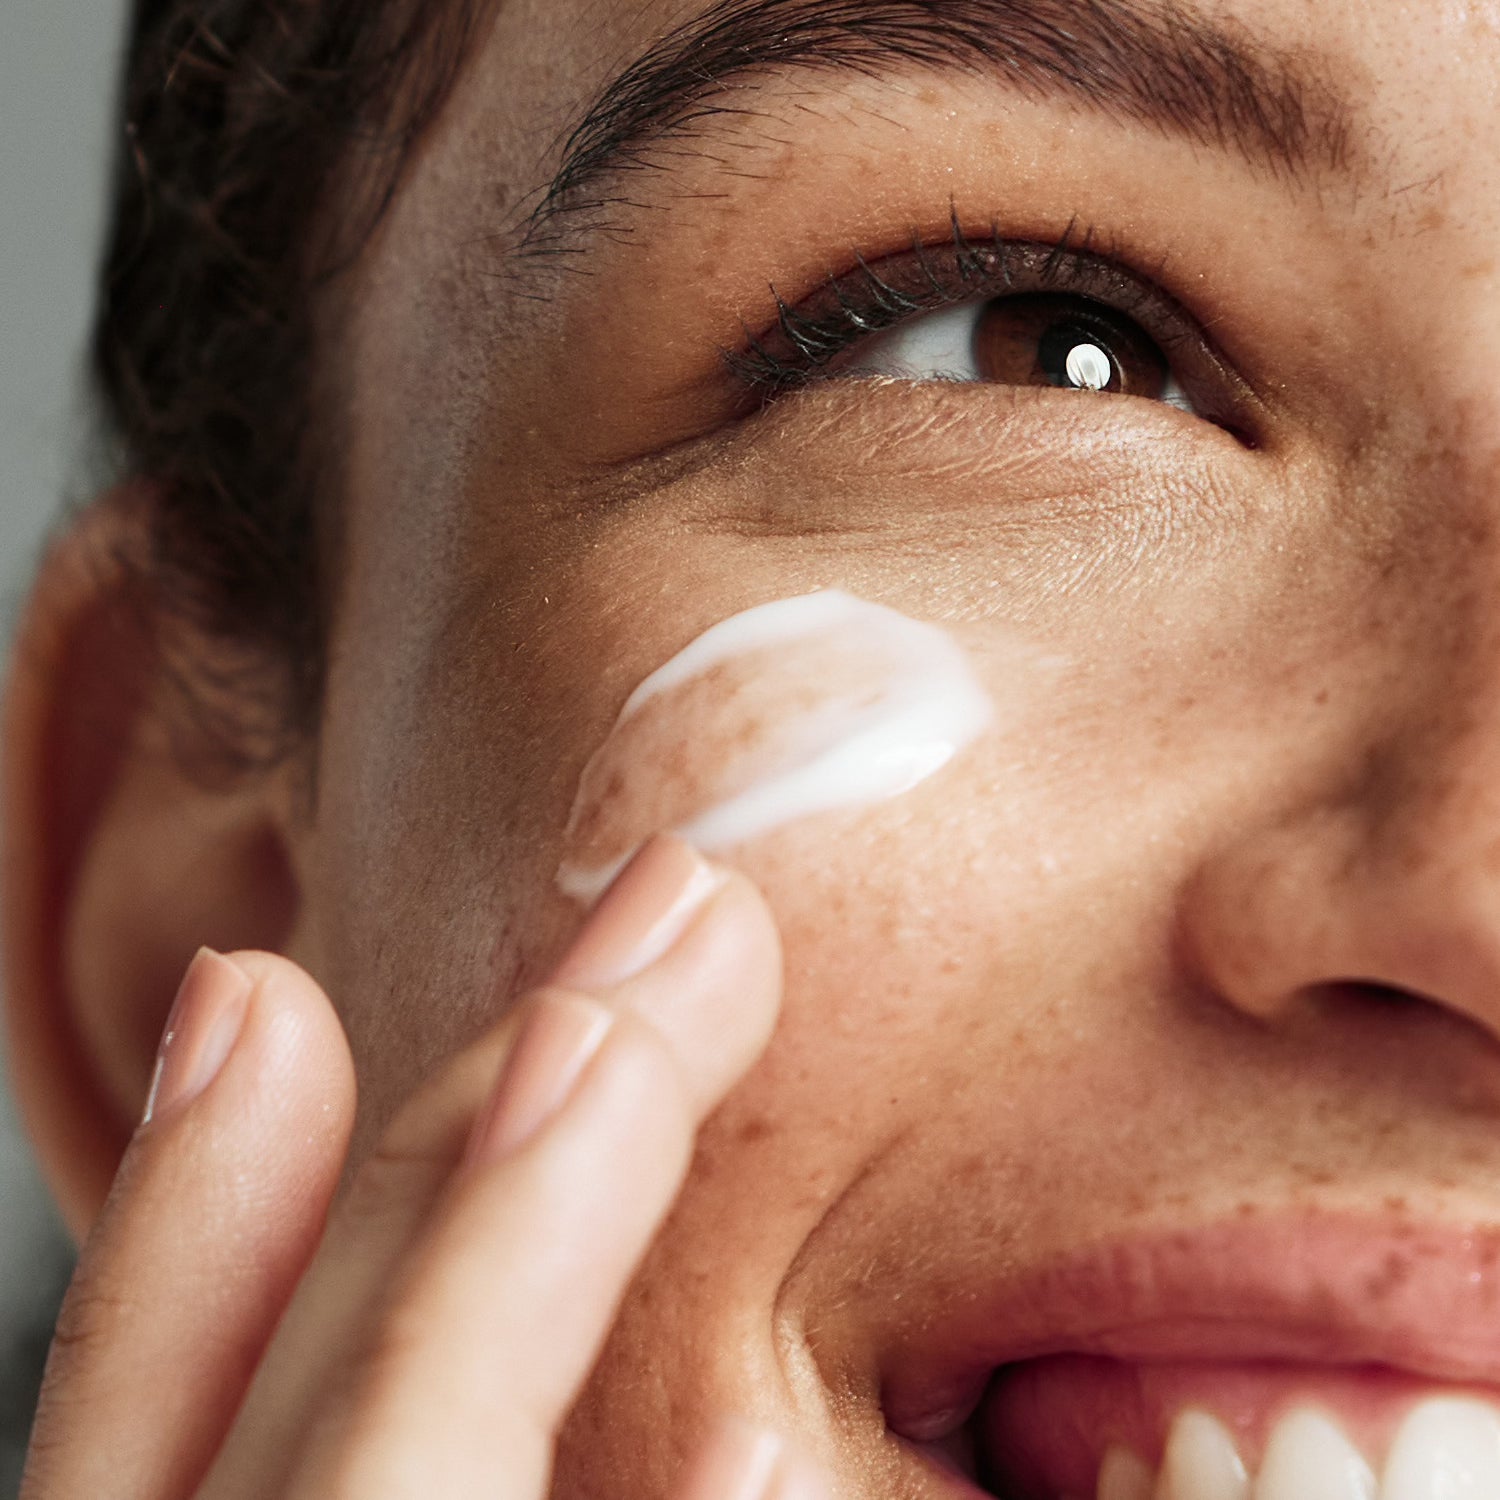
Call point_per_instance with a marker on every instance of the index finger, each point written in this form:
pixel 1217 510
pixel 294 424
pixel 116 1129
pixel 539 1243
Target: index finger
pixel 213 1216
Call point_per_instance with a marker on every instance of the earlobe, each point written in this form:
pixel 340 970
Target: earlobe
pixel 119 860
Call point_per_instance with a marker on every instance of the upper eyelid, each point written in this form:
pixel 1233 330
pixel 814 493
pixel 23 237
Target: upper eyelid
pixel 819 325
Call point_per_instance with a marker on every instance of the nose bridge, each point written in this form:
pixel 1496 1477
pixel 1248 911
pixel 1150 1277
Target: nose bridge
pixel 1418 843
pixel 1422 802
pixel 1426 787
pixel 1386 868
pixel 1373 853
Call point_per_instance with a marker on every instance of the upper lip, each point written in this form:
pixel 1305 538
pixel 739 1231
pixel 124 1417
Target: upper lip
pixel 1333 1289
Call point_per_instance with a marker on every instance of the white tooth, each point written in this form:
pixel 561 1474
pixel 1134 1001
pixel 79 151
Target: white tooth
pixel 1201 1462
pixel 1309 1458
pixel 1447 1449
pixel 1122 1476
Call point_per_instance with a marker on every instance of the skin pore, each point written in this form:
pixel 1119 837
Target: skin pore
pixel 1204 932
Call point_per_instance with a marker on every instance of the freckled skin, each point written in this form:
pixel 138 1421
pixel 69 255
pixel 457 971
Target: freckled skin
pixel 1114 971
pixel 695 745
pixel 735 725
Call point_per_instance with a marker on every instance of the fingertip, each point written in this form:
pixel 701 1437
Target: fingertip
pixel 761 932
pixel 264 968
pixel 716 996
pixel 217 1209
pixel 203 1028
pixel 738 1461
pixel 741 1461
pixel 747 964
pixel 292 1070
pixel 641 915
pixel 280 985
pixel 802 1479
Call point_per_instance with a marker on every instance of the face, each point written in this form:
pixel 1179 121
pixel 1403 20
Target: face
pixel 1146 1051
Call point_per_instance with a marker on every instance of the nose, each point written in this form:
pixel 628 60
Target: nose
pixel 1384 879
pixel 1378 865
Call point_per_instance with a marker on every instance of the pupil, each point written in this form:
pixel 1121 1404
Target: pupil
pixel 1070 356
pixel 1088 366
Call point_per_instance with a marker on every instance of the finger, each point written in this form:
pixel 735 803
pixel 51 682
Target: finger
pixel 396 1191
pixel 741 1462
pixel 501 1310
pixel 213 1215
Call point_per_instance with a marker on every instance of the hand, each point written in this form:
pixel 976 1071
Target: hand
pixel 225 1337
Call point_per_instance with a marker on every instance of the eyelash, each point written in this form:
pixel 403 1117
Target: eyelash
pixel 796 348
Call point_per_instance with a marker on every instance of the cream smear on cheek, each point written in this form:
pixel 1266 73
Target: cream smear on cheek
pixel 793 708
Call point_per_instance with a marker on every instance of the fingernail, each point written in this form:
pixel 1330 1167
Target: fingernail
pixel 204 1023
pixel 650 905
pixel 559 1037
pixel 738 1462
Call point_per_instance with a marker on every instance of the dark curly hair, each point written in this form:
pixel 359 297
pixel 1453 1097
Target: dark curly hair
pixel 260 142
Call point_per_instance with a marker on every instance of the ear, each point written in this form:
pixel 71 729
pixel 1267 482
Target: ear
pixel 119 859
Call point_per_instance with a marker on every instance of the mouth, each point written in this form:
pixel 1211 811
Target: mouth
pixel 1315 1359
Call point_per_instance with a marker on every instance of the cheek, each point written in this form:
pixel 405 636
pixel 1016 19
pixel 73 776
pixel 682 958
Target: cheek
pixel 797 708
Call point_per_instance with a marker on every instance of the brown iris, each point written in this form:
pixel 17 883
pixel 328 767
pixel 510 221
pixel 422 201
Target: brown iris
pixel 1027 340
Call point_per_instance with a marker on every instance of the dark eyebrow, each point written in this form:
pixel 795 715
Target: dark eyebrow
pixel 1151 62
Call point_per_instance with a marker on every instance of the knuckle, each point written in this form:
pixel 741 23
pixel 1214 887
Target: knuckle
pixel 416 1153
pixel 88 1320
pixel 389 1195
pixel 386 1178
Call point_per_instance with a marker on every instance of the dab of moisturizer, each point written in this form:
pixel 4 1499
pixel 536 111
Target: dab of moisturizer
pixel 797 707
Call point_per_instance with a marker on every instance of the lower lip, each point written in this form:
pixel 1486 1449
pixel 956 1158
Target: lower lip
pixel 1049 1422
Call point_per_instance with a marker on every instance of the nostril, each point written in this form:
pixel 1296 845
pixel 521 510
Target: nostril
pixel 1398 1014
pixel 1373 993
pixel 1355 1002
pixel 1349 1000
pixel 1328 910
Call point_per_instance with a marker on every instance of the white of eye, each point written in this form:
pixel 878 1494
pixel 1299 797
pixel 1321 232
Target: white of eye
pixel 940 346
pixel 930 346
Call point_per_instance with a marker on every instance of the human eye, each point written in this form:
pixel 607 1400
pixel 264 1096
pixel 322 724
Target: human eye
pixel 1001 312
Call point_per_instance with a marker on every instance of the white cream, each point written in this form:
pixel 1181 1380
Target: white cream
pixel 905 702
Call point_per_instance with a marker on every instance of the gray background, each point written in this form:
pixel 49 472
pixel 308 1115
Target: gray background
pixel 57 86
